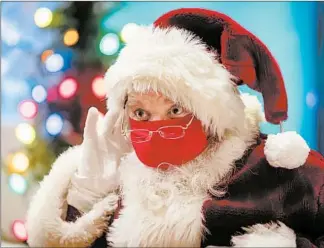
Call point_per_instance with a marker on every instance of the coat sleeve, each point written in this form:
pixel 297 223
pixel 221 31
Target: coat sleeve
pixel 316 162
pixel 73 214
pixel 51 223
pixel 278 234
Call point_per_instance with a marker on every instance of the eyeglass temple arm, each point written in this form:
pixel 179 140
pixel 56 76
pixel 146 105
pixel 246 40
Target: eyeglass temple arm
pixel 188 124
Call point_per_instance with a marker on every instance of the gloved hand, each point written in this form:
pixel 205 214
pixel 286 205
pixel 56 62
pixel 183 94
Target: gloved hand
pixel 100 155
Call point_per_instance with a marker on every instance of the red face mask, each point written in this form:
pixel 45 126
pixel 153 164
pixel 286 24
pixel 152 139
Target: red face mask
pixel 167 142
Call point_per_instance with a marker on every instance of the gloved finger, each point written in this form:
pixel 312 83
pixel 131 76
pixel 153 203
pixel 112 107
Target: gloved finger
pixel 90 129
pixel 112 131
pixel 91 164
pixel 109 122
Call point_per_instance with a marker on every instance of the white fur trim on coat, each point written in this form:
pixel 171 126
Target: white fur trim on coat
pixel 177 64
pixel 267 235
pixel 45 218
pixel 287 150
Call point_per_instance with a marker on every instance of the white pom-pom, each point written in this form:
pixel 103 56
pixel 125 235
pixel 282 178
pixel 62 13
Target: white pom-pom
pixel 287 150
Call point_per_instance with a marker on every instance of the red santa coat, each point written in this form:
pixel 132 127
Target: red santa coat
pixel 258 193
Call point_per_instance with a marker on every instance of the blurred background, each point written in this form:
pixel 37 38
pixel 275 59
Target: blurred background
pixel 54 55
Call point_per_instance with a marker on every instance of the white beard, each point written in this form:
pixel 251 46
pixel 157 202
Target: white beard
pixel 163 209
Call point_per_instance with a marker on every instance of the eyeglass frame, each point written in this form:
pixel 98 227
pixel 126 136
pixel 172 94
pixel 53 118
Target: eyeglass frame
pixel 124 133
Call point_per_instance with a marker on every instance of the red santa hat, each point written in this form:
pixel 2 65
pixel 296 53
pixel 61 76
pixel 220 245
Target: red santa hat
pixel 195 56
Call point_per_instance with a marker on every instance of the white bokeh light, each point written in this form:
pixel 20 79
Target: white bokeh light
pixel 9 34
pixel 54 63
pixel 128 31
pixel 109 44
pixel 20 162
pixel 39 93
pixel 43 17
pixel 311 100
pixel 17 183
pixel 54 124
pixel 25 133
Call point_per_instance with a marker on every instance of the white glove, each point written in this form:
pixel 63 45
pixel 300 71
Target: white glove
pixel 101 151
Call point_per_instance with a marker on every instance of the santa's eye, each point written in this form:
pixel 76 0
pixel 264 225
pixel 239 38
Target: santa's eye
pixel 176 111
pixel 141 114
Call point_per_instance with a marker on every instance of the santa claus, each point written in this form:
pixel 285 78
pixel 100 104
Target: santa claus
pixel 180 160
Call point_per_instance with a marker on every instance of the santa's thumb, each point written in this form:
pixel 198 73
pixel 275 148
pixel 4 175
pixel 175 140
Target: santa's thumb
pixel 91 161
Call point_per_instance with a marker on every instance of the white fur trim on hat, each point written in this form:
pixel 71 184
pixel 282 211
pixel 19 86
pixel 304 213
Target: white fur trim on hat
pixel 267 235
pixel 177 64
pixel 287 150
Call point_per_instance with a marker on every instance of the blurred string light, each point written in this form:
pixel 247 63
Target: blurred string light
pixel 54 124
pixel 17 183
pixel 98 87
pixel 54 62
pixel 45 55
pixel 28 109
pixel 39 93
pixel 311 100
pixel 19 230
pixel 68 88
pixel 19 163
pixel 9 34
pixel 71 37
pixel 109 44
pixel 128 31
pixel 43 17
pixel 25 133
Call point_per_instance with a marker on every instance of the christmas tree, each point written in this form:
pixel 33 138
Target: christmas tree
pixel 72 70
